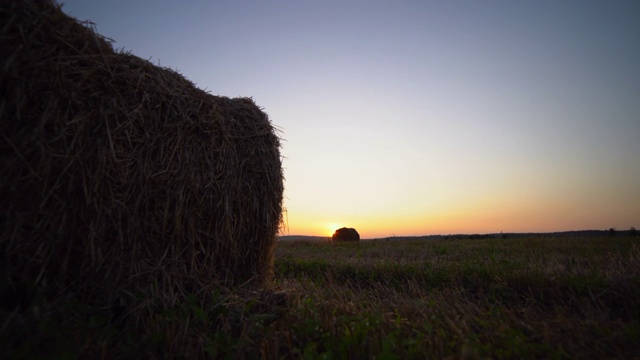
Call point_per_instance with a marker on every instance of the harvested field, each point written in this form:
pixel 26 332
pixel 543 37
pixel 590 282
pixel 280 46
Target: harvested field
pixel 534 297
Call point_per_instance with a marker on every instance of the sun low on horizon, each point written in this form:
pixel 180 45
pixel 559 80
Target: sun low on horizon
pixel 331 229
pixel 420 118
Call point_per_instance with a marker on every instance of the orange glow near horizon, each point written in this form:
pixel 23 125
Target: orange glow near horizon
pixel 332 227
pixel 541 215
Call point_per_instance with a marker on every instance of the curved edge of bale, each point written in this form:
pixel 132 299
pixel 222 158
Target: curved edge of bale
pixel 121 179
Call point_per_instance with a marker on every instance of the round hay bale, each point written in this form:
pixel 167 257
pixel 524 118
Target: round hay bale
pixel 346 234
pixel 121 178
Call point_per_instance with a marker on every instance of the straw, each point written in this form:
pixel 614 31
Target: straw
pixel 121 179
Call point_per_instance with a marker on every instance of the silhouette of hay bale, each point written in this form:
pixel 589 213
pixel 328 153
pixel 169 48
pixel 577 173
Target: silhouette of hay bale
pixel 121 178
pixel 346 234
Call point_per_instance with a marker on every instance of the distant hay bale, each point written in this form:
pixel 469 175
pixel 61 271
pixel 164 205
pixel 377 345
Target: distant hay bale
pixel 346 234
pixel 121 178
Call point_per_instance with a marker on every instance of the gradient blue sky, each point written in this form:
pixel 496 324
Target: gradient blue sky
pixel 421 117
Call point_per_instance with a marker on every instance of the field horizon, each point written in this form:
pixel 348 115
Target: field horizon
pixel 564 233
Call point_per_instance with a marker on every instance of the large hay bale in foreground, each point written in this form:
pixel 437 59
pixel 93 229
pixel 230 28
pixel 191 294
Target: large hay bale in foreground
pixel 121 178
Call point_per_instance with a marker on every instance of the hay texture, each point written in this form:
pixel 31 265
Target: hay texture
pixel 346 234
pixel 121 178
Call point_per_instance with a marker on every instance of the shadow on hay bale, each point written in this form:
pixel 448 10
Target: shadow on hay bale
pixel 345 234
pixel 121 178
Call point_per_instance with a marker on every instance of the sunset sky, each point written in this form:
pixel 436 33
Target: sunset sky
pixel 421 117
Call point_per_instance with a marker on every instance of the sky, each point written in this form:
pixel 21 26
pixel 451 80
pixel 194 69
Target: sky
pixel 420 117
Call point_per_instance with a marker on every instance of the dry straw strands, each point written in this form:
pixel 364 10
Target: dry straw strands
pixel 121 179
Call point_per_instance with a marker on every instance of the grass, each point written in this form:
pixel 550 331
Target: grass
pixel 533 297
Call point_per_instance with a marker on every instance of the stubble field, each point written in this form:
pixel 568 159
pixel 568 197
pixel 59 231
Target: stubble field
pixel 536 297
pixel 531 297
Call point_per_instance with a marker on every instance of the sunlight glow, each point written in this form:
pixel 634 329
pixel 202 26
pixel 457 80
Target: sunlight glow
pixel 332 227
